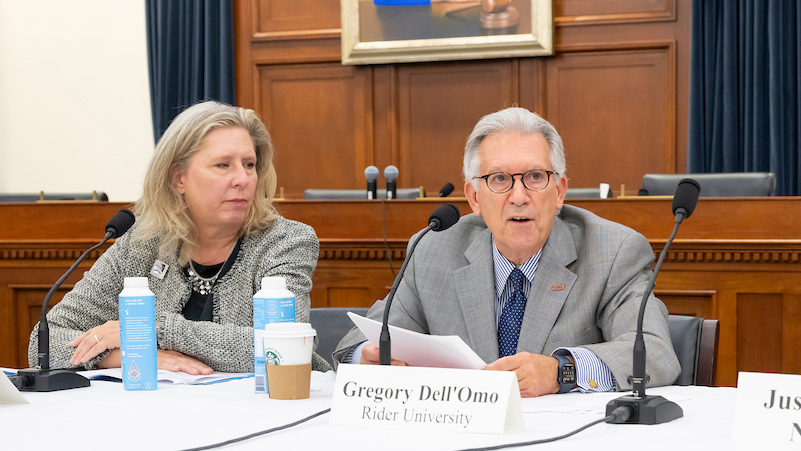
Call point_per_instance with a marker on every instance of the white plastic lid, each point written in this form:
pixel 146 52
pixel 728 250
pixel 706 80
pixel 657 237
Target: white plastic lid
pixel 135 282
pixel 273 282
pixel 288 330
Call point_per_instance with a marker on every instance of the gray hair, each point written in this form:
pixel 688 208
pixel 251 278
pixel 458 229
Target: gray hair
pixel 163 211
pixel 511 120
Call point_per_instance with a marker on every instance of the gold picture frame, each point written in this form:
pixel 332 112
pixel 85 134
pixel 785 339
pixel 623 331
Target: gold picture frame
pixel 444 30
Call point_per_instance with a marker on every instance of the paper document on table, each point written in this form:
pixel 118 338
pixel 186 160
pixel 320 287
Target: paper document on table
pixel 170 377
pixel 416 349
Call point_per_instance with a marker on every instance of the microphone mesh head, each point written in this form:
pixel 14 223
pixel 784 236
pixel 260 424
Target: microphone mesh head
pixel 391 172
pixel 371 173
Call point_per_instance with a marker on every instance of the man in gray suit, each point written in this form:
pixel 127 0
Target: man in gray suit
pixel 533 286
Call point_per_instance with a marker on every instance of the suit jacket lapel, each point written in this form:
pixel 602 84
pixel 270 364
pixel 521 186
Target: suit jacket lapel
pixel 475 290
pixel 545 300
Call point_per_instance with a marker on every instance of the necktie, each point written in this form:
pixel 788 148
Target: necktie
pixel 512 316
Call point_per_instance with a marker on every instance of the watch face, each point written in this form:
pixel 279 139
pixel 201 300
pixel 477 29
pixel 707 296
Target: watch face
pixel 568 372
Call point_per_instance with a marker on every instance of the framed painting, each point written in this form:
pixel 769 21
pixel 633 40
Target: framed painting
pixel 401 31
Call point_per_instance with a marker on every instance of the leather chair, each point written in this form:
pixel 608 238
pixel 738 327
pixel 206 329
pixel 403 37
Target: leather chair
pixel 355 194
pixel 331 324
pixel 730 184
pixel 8 198
pixel 586 193
pixel 695 341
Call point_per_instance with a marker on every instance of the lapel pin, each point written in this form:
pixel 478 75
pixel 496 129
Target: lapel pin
pixel 557 287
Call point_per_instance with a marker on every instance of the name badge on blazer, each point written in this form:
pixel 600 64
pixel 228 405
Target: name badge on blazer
pixel 159 269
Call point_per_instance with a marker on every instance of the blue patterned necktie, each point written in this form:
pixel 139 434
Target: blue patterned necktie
pixel 512 316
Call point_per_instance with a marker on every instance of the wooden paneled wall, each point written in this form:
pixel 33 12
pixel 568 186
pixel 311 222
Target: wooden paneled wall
pixel 616 89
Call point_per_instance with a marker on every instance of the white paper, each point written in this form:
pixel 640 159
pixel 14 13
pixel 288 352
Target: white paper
pixel 171 377
pixel 9 394
pixel 416 349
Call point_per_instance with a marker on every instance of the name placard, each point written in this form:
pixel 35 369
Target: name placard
pixel 768 408
pixel 416 398
pixel 9 393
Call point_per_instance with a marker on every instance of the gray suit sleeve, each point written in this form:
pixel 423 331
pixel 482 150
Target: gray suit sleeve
pixel 617 319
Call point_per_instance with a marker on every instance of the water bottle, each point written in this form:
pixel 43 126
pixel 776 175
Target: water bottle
pixel 272 304
pixel 138 335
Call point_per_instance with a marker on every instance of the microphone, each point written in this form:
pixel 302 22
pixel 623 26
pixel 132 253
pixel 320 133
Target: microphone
pixel 446 190
pixel 391 174
pixel 44 379
pixel 371 174
pixel 442 218
pixel 654 409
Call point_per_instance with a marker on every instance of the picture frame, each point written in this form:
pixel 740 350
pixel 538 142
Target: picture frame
pixel 404 31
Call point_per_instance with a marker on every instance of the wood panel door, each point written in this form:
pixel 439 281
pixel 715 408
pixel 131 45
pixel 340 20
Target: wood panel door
pixel 319 116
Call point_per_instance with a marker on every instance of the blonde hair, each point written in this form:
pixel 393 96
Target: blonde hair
pixel 162 210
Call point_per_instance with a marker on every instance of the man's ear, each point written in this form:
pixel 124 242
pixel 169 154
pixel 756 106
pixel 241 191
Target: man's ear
pixel 178 177
pixel 561 191
pixel 472 198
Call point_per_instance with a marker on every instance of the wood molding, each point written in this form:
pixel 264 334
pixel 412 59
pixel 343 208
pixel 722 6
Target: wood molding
pixel 731 252
pixel 569 13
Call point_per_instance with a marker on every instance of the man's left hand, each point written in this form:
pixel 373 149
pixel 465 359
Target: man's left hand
pixel 536 373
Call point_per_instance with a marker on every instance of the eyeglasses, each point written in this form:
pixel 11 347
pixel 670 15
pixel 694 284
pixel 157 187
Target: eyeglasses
pixel 501 182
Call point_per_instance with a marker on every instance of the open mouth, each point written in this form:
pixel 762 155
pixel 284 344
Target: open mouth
pixel 520 219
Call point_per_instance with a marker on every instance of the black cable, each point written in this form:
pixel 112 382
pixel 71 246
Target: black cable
pixel 256 434
pixel 386 243
pixel 623 413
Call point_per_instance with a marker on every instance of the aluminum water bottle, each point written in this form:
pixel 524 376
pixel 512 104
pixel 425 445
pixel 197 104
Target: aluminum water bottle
pixel 272 304
pixel 138 335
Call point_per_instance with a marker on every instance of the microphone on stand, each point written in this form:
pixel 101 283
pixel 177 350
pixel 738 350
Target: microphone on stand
pixel 442 218
pixel 654 409
pixel 446 190
pixel 371 174
pixel 391 174
pixel 44 379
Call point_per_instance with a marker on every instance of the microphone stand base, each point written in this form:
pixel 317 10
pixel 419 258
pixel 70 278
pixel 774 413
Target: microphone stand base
pixel 646 409
pixel 50 380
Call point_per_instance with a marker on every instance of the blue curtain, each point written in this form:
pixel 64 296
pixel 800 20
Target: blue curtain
pixel 745 109
pixel 190 54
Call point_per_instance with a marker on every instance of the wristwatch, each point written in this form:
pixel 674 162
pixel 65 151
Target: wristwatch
pixel 566 375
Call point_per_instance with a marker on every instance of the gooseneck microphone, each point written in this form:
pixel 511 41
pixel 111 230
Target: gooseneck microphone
pixel 44 379
pixel 446 190
pixel 391 174
pixel 371 174
pixel 654 409
pixel 442 218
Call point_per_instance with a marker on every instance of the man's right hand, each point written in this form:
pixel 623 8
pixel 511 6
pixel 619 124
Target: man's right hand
pixel 370 357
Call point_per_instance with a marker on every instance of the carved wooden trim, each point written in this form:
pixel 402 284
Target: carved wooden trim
pixel 692 251
pixel 373 251
pixel 48 251
pixel 703 251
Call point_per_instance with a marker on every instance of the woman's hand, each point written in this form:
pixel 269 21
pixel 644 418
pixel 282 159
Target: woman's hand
pixel 167 360
pixel 94 341
pixel 175 361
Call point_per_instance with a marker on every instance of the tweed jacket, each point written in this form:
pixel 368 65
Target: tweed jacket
pixel 586 293
pixel 287 248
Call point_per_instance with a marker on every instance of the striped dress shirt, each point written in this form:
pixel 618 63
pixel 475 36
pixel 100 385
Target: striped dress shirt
pixel 592 375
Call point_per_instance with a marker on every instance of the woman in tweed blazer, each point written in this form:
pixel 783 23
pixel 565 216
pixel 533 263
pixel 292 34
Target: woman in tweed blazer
pixel 206 234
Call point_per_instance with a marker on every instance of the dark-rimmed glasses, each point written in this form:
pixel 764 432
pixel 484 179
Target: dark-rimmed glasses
pixel 501 182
